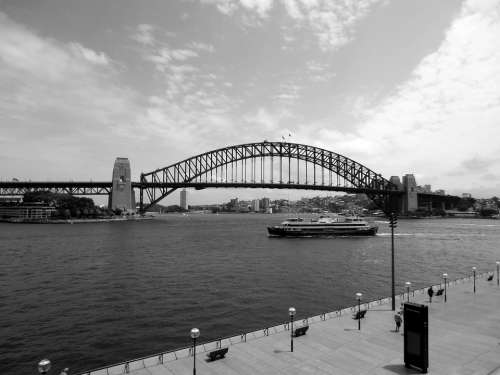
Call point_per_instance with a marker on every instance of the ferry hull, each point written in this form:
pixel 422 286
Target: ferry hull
pixel 279 231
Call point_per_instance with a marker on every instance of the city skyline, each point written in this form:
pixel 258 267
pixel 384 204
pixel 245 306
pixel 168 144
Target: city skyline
pixel 401 87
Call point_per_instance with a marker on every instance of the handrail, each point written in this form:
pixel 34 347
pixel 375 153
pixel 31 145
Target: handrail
pixel 270 330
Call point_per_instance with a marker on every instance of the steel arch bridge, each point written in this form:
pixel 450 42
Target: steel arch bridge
pixel 276 165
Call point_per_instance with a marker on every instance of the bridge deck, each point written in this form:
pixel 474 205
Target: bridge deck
pixel 464 338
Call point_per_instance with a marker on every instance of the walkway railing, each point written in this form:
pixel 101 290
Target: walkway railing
pixel 187 351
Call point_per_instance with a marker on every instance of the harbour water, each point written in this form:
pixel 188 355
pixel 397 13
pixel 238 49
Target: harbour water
pixel 90 295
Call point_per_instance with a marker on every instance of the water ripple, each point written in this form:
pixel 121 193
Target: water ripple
pixel 90 295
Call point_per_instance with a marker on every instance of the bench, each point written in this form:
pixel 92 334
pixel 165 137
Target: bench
pixel 300 331
pixel 217 354
pixel 490 278
pixel 440 292
pixel 359 314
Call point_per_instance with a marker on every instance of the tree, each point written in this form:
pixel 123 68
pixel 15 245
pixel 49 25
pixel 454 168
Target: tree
pixel 465 203
pixel 65 203
pixel 496 200
pixel 487 212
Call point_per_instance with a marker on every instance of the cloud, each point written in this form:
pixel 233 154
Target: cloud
pixel 267 122
pixel 201 47
pixel 156 49
pixel 65 95
pixel 98 58
pixel 446 112
pixel 144 34
pixel 478 165
pixel 319 72
pixel 288 91
pixel 183 54
pixel 190 106
pixel 332 22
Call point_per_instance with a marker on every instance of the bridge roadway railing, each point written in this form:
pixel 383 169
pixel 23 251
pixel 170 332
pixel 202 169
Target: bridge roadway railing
pixel 187 351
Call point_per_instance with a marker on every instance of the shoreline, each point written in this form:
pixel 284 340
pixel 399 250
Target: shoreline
pixel 74 221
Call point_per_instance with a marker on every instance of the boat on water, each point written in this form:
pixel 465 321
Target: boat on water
pixel 323 226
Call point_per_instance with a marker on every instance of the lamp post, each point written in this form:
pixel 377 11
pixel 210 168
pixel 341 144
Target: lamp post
pixel 393 223
pixel 408 290
pixel 291 312
pixel 445 277
pixel 358 297
pixel 44 366
pixel 195 333
pixel 498 273
pixel 474 277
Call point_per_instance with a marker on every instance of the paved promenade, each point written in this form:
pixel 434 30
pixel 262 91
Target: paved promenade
pixel 464 338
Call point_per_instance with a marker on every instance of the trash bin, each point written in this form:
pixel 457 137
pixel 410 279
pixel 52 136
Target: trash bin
pixel 416 336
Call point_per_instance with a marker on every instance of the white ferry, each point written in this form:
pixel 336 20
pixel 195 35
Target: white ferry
pixel 323 226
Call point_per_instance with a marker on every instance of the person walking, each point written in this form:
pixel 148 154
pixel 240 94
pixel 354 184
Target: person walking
pixel 430 292
pixel 398 320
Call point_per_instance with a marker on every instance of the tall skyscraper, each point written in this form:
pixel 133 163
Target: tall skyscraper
pixel 184 204
pixel 255 205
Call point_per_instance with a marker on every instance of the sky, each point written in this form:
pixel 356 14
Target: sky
pixel 401 86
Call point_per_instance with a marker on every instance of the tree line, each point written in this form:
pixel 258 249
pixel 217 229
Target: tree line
pixel 68 206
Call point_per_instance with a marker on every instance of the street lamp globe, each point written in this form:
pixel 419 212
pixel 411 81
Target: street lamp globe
pixel 292 311
pixel 358 296
pixel 445 276
pixel 44 366
pixel 474 269
pixel 408 284
pixel 195 333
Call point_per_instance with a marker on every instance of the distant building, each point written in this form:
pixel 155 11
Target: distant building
pixel 466 195
pixel 265 203
pixel 440 192
pixel 183 203
pixel 255 205
pixel 396 181
pixel 27 212
pixel 233 204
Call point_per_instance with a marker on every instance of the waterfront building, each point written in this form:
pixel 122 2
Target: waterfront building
pixel 183 202
pixel 28 212
pixel 10 200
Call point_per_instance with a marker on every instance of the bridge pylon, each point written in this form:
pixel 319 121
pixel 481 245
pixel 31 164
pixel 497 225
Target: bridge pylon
pixel 122 196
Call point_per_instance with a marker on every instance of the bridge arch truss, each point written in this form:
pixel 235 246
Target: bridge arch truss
pixel 278 165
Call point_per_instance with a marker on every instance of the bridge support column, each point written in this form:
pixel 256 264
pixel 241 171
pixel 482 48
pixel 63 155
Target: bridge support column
pixel 122 195
pixel 410 200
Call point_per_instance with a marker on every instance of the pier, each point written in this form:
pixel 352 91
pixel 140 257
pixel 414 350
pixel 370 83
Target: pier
pixel 464 338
